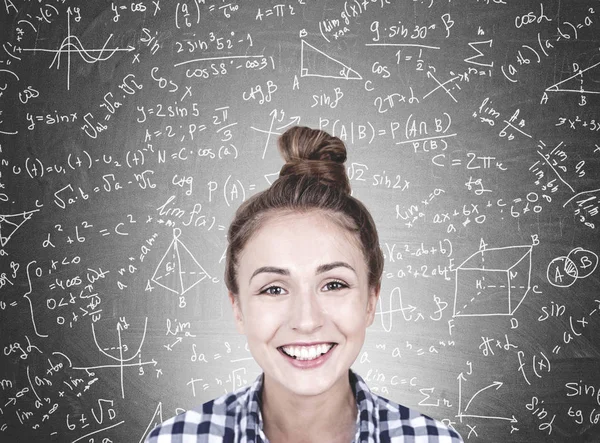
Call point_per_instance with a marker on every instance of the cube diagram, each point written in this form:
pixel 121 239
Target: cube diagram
pixel 493 281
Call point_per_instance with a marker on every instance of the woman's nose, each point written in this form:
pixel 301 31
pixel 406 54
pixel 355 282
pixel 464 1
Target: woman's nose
pixel 306 314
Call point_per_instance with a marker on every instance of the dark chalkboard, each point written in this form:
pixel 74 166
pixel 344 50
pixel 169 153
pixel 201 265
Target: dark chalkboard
pixel 130 131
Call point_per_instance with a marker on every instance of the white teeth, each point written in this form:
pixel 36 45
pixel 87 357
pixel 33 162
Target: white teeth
pixel 307 352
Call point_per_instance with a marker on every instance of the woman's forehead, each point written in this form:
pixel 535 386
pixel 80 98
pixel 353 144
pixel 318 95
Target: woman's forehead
pixel 325 217
pixel 294 225
pixel 302 237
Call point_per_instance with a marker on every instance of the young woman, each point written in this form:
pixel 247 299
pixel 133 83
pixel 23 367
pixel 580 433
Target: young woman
pixel 303 272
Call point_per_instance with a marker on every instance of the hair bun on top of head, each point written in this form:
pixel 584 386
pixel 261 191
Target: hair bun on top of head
pixel 314 153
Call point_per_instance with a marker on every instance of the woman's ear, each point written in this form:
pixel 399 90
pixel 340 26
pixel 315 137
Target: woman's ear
pixel 237 312
pixel 372 303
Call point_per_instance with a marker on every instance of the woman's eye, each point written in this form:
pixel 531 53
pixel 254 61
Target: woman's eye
pixel 335 285
pixel 272 290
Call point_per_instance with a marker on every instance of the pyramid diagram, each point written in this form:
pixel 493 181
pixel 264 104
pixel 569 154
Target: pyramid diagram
pixel 323 65
pixel 9 224
pixel 178 270
pixel 270 178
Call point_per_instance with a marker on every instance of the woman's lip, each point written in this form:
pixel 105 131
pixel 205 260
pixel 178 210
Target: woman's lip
pixel 316 343
pixel 308 364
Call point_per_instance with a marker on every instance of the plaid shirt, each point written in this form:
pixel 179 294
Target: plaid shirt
pixel 236 417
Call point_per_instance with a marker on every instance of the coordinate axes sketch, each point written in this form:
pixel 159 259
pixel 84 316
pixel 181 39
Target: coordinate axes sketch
pixel 122 360
pixel 72 44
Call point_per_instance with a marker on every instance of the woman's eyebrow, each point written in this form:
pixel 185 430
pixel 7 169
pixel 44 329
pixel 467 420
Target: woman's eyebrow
pixel 336 264
pixel 320 269
pixel 270 269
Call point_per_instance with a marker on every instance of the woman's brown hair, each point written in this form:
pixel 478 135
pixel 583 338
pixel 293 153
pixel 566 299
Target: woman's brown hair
pixel 313 178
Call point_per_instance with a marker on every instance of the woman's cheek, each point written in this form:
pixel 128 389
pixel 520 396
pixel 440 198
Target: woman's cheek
pixel 262 317
pixel 347 314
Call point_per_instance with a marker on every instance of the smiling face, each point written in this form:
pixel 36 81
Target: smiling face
pixel 304 301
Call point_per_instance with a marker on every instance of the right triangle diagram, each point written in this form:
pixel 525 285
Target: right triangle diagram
pixel 315 63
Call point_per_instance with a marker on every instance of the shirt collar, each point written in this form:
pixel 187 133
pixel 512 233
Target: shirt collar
pixel 366 419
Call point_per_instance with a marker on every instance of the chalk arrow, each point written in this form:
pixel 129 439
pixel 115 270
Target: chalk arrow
pixel 295 120
pixel 511 419
pixel 460 379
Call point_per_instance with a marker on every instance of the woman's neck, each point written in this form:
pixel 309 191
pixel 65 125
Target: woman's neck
pixel 330 416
